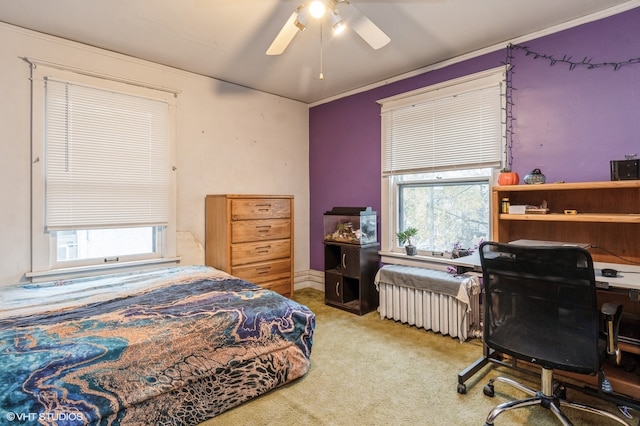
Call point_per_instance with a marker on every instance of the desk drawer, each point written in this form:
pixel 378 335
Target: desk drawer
pixel 260 208
pixel 260 230
pixel 244 253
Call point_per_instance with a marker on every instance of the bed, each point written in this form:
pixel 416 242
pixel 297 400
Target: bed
pixel 172 346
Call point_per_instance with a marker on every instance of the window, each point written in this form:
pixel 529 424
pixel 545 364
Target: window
pixel 440 146
pixel 108 245
pixel 103 194
pixel 450 208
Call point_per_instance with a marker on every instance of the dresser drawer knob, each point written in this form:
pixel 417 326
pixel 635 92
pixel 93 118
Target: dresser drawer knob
pixel 263 228
pixel 263 207
pixel 263 249
pixel 263 270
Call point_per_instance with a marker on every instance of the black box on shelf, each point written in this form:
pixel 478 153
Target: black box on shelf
pixel 625 169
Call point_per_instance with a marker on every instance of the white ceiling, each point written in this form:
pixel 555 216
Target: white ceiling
pixel 227 39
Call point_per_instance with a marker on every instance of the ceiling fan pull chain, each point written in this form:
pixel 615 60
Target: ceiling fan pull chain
pixel 321 76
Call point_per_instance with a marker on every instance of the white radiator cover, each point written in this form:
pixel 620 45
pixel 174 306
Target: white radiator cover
pixel 432 311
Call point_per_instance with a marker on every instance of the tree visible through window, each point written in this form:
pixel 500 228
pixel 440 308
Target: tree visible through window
pixel 446 213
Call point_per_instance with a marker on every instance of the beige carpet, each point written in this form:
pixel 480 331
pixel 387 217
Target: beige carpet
pixel 369 371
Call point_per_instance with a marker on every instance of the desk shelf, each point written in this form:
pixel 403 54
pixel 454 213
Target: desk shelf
pixel 608 216
pixel 574 186
pixel 580 217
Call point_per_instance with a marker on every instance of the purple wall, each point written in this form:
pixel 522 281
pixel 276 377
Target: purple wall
pixel 569 123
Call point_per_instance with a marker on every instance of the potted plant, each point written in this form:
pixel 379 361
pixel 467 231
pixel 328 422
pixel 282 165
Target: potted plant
pixel 405 236
pixel 508 177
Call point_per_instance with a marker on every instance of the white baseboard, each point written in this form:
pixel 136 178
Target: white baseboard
pixel 308 278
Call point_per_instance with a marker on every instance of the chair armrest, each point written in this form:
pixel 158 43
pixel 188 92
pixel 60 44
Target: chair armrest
pixel 612 313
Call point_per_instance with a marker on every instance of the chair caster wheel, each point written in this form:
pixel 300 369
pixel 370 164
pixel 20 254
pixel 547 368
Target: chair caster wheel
pixel 462 388
pixel 488 389
pixel 559 390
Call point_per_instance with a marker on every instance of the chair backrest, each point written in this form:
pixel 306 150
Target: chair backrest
pixel 540 305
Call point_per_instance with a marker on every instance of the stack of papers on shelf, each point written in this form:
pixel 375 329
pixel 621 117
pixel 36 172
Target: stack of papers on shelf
pixel 536 210
pixel 524 209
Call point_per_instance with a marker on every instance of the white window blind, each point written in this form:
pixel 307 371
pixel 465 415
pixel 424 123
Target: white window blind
pixel 107 161
pixel 453 127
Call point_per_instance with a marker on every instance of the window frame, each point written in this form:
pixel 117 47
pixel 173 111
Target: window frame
pixel 44 264
pixel 389 219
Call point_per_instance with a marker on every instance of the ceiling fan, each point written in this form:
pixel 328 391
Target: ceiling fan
pixel 299 19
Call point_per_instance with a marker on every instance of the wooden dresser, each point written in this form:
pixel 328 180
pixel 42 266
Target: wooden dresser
pixel 251 237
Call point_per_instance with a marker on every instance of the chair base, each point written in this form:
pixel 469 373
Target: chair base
pixel 544 398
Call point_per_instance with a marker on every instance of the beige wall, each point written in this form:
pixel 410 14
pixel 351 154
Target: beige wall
pixel 229 140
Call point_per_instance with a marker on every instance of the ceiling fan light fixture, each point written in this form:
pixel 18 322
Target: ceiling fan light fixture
pixel 337 23
pixel 302 20
pixel 317 8
pixel 301 17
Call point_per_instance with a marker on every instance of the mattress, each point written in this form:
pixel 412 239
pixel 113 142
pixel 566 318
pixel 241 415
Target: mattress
pixel 172 346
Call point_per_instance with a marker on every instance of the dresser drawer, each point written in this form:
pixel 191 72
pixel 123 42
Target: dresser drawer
pixel 279 286
pixel 244 253
pixel 260 230
pixel 260 208
pixel 265 271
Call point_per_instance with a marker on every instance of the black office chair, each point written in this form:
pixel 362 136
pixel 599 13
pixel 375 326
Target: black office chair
pixel 540 307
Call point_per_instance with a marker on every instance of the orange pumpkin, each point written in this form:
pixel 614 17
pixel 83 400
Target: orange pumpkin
pixel 508 178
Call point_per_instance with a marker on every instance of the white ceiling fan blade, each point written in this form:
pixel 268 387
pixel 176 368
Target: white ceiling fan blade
pixel 364 27
pixel 284 37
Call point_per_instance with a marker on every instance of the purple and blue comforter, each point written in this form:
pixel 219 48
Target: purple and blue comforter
pixel 173 346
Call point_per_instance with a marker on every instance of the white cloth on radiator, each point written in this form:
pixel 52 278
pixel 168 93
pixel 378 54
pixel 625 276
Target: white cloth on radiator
pixel 459 286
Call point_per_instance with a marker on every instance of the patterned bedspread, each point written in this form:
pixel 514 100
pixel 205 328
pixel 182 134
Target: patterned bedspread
pixel 174 346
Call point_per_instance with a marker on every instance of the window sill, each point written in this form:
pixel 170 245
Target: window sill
pixel 83 271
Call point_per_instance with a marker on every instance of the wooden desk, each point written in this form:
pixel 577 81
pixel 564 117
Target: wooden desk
pixel 627 280
pixel 628 277
pixel 623 289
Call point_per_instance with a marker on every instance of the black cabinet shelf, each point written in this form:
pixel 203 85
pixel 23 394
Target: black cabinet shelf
pixel 349 271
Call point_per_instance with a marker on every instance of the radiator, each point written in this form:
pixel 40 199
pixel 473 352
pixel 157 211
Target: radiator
pixel 432 310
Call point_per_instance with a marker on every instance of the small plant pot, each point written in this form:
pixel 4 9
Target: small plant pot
pixel 411 250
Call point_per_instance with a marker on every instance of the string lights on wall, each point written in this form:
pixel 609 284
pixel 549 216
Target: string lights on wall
pixel 509 119
pixel 586 63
